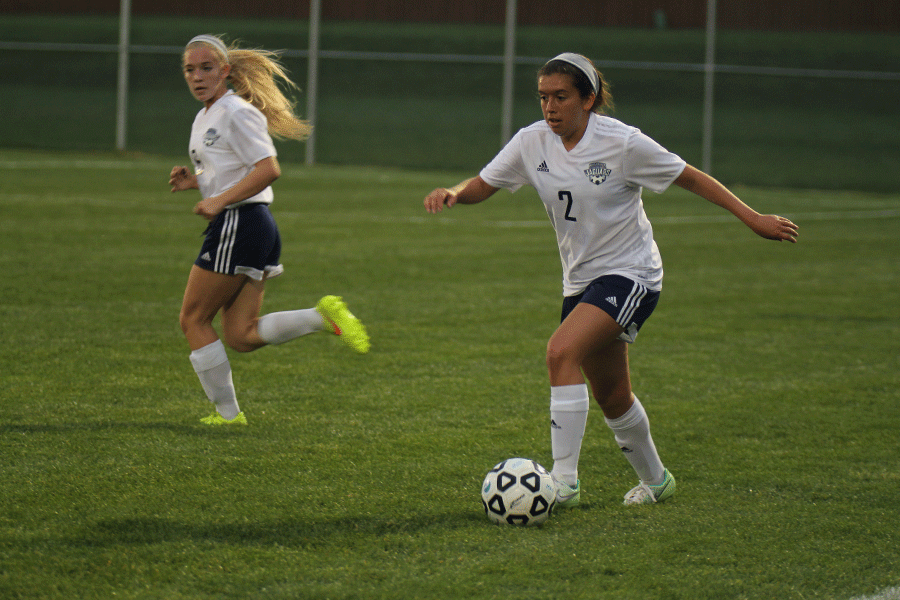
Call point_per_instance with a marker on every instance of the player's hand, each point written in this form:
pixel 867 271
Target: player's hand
pixel 182 179
pixel 209 208
pixel 773 227
pixel 438 199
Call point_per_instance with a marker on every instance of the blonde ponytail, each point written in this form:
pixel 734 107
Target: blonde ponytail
pixel 254 75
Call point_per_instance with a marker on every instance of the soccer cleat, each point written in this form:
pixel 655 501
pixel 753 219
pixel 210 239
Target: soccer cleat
pixel 649 494
pixel 217 419
pixel 566 495
pixel 350 329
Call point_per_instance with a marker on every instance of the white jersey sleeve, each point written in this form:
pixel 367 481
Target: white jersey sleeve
pixel 507 169
pixel 250 138
pixel 647 164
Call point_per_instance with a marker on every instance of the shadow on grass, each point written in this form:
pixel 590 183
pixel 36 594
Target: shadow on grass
pixel 111 425
pixel 151 530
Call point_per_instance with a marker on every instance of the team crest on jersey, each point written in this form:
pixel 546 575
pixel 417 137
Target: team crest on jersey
pixel 210 137
pixel 597 173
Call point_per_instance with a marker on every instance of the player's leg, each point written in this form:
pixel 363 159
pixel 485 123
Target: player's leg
pixel 584 330
pixel 206 294
pixel 597 332
pixel 245 331
pixel 257 253
pixel 608 374
pixel 330 314
pixel 280 327
pixel 240 316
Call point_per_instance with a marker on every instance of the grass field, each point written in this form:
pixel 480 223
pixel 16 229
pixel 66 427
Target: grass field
pixel 769 371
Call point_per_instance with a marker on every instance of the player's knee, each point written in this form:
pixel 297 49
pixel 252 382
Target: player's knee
pixel 560 356
pixel 193 317
pixel 190 318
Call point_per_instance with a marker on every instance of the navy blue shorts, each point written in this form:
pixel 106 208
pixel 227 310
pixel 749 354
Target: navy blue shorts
pixel 242 241
pixel 627 302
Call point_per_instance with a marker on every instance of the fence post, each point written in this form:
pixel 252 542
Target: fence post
pixel 312 78
pixel 509 70
pixel 709 70
pixel 122 84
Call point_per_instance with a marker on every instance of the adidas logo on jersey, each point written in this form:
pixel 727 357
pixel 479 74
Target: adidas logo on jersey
pixel 543 167
pixel 205 256
pixel 612 300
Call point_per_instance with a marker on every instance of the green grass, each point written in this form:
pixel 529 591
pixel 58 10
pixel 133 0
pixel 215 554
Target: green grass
pixel 770 373
pixel 768 131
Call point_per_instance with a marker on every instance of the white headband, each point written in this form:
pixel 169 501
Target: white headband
pixel 583 64
pixel 212 41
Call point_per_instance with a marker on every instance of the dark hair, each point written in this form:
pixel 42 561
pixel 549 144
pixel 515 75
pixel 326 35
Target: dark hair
pixel 604 100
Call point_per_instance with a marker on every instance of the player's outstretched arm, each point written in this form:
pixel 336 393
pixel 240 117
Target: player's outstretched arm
pixel 470 191
pixel 771 227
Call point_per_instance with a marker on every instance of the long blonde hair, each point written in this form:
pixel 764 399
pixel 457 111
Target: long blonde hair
pixel 254 77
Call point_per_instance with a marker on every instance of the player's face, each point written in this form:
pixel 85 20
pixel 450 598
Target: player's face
pixel 205 76
pixel 565 111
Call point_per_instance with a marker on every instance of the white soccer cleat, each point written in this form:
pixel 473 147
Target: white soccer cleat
pixel 651 494
pixel 566 495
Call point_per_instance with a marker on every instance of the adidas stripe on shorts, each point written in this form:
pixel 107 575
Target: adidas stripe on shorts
pixel 627 302
pixel 242 241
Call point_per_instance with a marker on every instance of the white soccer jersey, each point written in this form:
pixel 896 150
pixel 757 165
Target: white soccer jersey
pixel 593 196
pixel 226 141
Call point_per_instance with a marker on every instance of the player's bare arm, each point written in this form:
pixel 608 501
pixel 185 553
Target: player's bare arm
pixel 771 227
pixel 470 191
pixel 264 173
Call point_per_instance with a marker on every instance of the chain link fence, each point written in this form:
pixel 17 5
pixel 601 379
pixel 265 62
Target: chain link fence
pixel 797 109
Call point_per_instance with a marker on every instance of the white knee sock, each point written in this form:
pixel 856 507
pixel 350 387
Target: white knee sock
pixel 212 367
pixel 632 432
pixel 280 327
pixel 568 417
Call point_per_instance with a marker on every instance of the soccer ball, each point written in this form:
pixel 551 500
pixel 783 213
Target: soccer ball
pixel 518 491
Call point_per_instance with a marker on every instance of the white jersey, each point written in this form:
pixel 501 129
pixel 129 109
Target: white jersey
pixel 226 141
pixel 593 196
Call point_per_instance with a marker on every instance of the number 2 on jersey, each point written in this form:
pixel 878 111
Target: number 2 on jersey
pixel 567 197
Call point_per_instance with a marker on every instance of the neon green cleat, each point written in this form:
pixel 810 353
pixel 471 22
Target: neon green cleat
pixel 351 330
pixel 566 495
pixel 650 494
pixel 217 419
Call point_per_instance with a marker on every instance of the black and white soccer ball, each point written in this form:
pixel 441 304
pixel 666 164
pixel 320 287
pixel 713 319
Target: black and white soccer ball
pixel 518 491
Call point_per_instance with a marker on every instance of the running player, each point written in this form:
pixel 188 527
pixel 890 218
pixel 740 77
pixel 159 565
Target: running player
pixel 233 165
pixel 589 170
